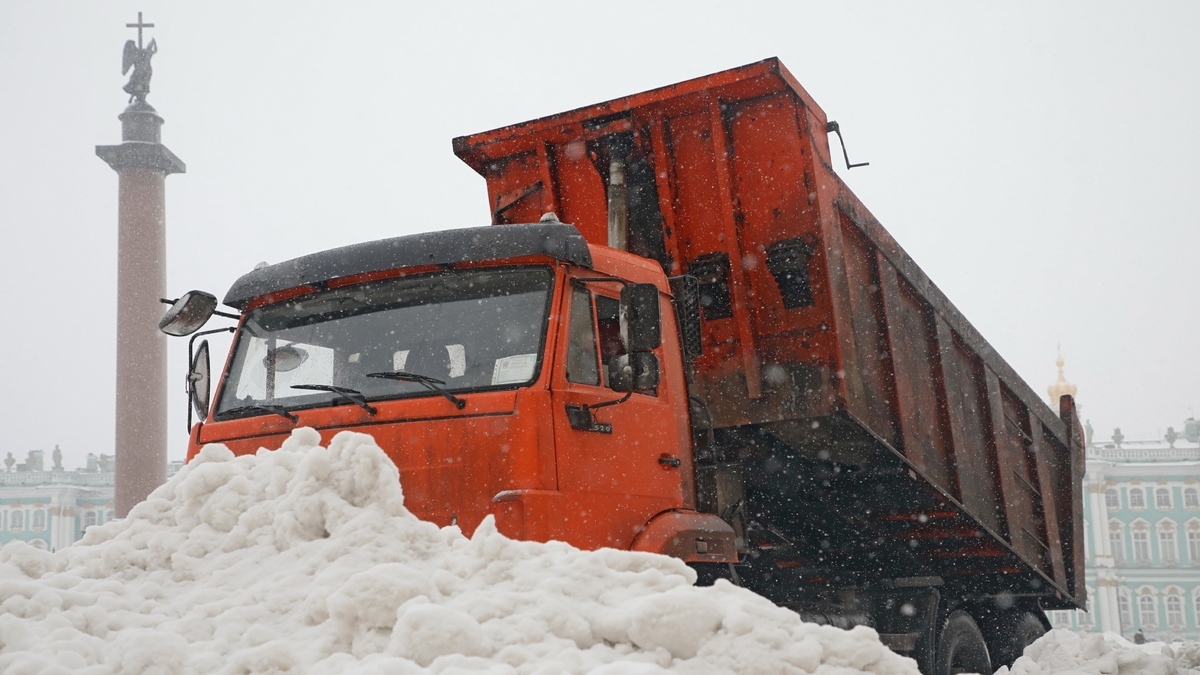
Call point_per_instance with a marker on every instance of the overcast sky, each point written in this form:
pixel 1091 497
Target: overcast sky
pixel 1039 160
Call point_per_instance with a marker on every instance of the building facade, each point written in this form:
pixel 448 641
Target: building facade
pixel 1142 537
pixel 51 508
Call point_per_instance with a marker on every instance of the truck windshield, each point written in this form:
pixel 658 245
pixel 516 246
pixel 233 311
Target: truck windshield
pixel 468 330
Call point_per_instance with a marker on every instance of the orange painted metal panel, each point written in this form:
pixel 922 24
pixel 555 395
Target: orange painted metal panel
pixel 451 463
pixel 1042 447
pixel 582 200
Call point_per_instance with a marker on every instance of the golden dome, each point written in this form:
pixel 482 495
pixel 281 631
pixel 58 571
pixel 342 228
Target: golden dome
pixel 1061 387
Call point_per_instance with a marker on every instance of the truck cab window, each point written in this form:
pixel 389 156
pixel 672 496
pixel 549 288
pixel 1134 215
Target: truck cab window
pixel 468 330
pixel 583 366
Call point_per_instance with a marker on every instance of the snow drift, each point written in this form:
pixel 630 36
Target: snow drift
pixel 1062 652
pixel 305 560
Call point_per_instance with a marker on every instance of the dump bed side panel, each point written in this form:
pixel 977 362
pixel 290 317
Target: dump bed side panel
pixel 812 312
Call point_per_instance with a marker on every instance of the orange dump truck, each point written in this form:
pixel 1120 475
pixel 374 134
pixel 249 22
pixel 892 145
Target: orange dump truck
pixel 683 334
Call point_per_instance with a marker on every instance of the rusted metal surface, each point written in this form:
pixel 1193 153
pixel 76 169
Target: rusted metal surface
pixel 820 332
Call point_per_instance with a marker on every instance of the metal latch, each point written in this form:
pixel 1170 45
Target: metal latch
pixel 833 128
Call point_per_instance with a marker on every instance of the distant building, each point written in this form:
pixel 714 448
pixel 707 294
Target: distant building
pixel 50 508
pixel 1142 536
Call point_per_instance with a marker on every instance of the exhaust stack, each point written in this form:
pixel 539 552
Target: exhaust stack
pixel 618 204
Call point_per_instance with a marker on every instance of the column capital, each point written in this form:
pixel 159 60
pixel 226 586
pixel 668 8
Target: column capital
pixel 140 155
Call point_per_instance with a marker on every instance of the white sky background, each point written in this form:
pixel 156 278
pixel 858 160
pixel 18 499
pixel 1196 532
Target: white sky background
pixel 1039 160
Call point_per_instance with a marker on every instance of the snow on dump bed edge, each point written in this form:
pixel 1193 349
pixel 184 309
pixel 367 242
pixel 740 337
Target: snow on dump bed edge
pixel 305 560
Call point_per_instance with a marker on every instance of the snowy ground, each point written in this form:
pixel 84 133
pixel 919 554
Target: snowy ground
pixel 305 560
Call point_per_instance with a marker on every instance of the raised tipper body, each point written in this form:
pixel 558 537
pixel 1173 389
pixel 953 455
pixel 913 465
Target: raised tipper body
pixel 862 426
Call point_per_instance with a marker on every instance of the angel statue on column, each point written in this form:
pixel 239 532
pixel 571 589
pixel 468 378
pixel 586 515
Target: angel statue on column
pixel 138 59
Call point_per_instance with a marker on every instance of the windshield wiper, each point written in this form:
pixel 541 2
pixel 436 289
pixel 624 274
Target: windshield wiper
pixel 355 396
pixel 429 383
pixel 273 409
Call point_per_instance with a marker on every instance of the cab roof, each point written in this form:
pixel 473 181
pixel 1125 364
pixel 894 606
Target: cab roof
pixel 493 242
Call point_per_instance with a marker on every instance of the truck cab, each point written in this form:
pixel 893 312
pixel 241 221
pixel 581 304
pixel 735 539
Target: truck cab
pixel 514 371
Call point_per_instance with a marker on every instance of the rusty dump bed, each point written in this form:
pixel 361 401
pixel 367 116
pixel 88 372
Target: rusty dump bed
pixel 876 431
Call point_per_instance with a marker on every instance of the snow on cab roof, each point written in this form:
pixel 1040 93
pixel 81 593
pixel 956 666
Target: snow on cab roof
pixel 493 242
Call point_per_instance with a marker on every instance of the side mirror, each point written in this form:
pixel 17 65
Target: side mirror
pixel 199 382
pixel 636 371
pixel 188 314
pixel 641 324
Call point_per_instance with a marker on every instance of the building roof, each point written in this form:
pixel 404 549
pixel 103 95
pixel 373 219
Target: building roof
pixel 1146 452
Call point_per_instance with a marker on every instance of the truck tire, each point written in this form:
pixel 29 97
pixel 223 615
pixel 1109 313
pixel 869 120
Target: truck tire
pixel 1015 631
pixel 708 573
pixel 961 648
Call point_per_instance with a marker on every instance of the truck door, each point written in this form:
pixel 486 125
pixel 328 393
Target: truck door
pixel 612 473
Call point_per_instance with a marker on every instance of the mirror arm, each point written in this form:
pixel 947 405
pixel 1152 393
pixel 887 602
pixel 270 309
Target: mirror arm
pixel 582 417
pixel 191 345
pixel 192 341
pixel 605 404
pixel 227 315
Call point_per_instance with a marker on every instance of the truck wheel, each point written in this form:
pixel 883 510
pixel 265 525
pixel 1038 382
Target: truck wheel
pixel 961 648
pixel 1017 631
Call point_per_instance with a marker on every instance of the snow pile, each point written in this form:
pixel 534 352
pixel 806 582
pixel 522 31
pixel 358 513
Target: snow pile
pixel 1063 652
pixel 305 560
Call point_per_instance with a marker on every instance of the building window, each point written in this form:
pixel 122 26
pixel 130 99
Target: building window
pixel 39 519
pixel 1175 610
pixel 1162 498
pixel 1117 543
pixel 1085 621
pixel 108 515
pixel 1194 547
pixel 1166 544
pixel 1191 498
pixel 1112 498
pixel 1137 500
pixel 17 522
pixel 89 519
pixel 1141 547
pixel 1126 615
pixel 1147 612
